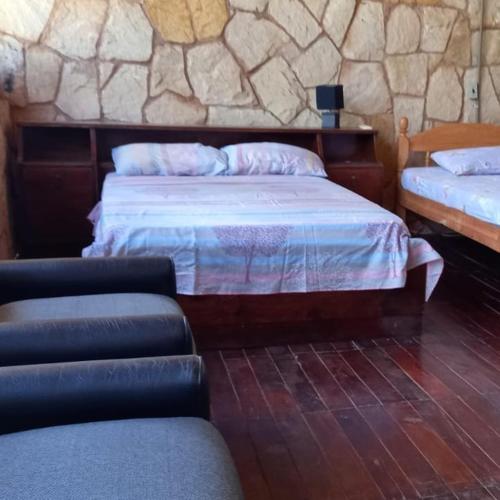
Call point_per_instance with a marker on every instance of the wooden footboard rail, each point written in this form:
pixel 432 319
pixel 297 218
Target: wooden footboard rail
pixel 231 321
pixel 476 229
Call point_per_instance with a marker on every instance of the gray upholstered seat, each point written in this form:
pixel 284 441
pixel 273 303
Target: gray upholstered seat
pixel 146 459
pixel 86 306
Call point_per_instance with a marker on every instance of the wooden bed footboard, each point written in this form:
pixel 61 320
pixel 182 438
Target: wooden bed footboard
pixel 452 136
pixel 476 229
pixel 235 321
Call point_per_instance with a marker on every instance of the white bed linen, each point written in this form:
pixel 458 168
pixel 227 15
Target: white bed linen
pixel 475 195
pixel 258 234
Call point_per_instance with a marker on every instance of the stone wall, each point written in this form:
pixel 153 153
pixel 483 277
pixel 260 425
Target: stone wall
pixel 5 235
pixel 250 62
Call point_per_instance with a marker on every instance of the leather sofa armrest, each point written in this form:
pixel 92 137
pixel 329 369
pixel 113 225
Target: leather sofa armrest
pixel 29 279
pixel 37 342
pixel 64 393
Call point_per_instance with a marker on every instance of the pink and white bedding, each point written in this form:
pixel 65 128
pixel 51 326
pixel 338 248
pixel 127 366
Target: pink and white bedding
pixel 475 195
pixel 272 158
pixel 168 159
pixel 469 161
pixel 258 234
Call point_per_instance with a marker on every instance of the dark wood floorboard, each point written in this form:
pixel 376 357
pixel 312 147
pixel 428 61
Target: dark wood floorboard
pixel 416 417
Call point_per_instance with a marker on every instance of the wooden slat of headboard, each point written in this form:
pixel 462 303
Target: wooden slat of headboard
pixel 454 136
pixel 451 136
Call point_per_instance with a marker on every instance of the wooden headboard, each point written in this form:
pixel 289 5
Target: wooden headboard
pixel 93 142
pixel 60 168
pixel 452 136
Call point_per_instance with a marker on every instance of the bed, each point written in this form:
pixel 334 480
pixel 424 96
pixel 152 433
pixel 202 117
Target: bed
pixel 469 205
pixel 276 250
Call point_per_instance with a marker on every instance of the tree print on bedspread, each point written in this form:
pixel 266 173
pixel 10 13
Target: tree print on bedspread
pixel 387 234
pixel 251 241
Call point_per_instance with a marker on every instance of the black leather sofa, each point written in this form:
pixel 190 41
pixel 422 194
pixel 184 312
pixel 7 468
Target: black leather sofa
pixel 83 309
pixel 109 430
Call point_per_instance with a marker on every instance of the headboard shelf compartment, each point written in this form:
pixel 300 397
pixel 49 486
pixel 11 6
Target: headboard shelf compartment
pixel 59 144
pixel 70 160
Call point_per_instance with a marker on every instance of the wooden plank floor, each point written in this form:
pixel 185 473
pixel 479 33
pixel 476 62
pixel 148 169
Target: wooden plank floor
pixel 413 418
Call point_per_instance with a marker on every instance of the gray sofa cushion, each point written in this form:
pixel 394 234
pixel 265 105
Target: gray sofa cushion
pixel 146 459
pixel 89 306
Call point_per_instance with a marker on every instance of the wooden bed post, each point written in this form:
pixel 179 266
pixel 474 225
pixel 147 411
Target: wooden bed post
pixel 403 153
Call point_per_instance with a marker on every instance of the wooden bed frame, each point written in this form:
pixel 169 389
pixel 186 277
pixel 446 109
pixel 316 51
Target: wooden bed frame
pixel 59 173
pixel 453 136
pixel 232 321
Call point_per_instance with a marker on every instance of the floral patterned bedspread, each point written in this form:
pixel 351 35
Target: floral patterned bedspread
pixel 258 234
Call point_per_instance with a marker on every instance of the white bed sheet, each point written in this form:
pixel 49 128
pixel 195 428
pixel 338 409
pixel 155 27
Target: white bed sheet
pixel 475 195
pixel 258 234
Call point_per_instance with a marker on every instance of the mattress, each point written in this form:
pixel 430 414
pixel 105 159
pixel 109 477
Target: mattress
pixel 475 195
pixel 258 234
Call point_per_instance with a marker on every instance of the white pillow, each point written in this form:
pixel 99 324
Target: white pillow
pixel 272 158
pixel 470 161
pixel 169 159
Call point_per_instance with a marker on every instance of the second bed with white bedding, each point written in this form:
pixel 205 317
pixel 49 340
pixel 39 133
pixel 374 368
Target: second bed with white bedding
pixel 258 234
pixel 475 195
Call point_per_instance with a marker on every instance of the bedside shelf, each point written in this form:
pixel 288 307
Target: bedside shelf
pixel 56 144
pixel 365 178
